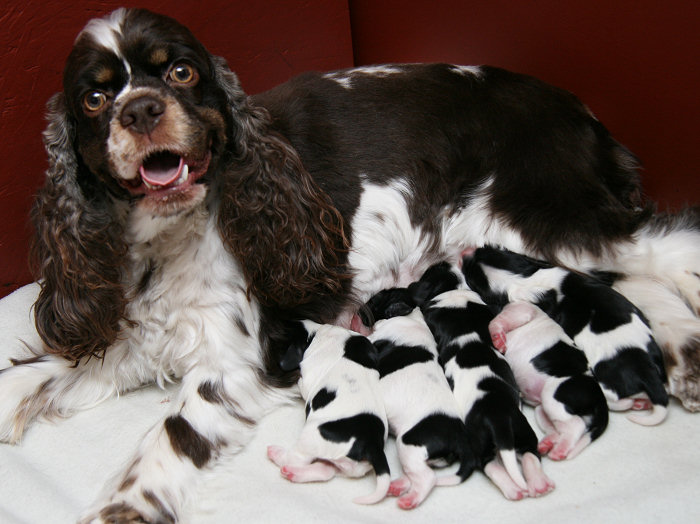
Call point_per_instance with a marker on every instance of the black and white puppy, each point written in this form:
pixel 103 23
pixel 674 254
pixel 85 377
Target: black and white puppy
pixel 346 426
pixel 612 332
pixel 420 407
pixel 553 375
pixel 483 384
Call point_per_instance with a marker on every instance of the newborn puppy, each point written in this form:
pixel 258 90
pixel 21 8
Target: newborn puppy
pixel 420 407
pixel 346 425
pixel 483 384
pixel 611 331
pixel 553 375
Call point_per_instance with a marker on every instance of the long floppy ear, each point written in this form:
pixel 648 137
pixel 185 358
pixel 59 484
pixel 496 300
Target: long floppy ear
pixel 78 251
pixel 283 229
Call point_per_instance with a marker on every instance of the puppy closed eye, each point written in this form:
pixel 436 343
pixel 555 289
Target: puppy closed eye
pixel 183 74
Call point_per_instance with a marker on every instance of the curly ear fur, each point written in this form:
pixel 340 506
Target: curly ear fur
pixel 283 229
pixel 77 251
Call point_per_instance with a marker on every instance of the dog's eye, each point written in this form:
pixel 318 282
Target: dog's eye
pixel 94 101
pixel 183 74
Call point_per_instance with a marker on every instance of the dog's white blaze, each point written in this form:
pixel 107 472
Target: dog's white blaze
pixel 106 32
pixel 467 70
pixel 345 78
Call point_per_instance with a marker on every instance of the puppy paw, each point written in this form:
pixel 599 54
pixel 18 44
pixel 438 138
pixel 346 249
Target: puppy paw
pixel 409 501
pixel 399 486
pixel 546 444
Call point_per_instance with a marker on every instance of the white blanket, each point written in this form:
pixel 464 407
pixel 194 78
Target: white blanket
pixel 631 474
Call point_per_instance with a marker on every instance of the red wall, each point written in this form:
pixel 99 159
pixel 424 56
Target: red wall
pixel 635 63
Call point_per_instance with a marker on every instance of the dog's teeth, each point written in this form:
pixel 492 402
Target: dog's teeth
pixel 185 174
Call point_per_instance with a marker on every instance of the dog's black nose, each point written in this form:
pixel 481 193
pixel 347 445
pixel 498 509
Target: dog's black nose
pixel 142 114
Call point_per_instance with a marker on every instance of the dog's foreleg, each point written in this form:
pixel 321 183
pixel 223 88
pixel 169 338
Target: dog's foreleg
pixel 215 413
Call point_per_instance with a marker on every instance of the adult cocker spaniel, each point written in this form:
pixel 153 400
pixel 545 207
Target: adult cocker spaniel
pixel 182 221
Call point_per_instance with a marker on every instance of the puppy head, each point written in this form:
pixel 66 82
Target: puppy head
pixel 388 303
pixel 151 115
pixel 437 279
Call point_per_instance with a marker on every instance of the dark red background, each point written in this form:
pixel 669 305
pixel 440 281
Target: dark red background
pixel 635 63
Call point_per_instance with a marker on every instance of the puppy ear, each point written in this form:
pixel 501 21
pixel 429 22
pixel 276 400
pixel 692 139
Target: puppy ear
pixel 283 229
pixel 78 251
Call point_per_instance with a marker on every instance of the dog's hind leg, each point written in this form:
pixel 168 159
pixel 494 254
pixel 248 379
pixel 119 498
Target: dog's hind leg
pixel 47 386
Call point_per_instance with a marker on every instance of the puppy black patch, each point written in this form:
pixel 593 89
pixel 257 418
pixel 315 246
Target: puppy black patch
pixel 368 431
pixel 561 360
pixel 324 397
pixel 443 437
pixel 581 395
pixel 393 357
pixel 360 350
pixel 630 372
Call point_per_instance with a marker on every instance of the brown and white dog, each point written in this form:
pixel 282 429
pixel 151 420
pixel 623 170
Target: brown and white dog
pixel 181 221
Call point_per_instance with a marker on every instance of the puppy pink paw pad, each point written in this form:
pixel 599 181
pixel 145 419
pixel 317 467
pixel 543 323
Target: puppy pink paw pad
pixel 409 501
pixel 398 487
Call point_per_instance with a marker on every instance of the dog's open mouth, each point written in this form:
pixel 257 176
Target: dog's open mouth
pixel 166 172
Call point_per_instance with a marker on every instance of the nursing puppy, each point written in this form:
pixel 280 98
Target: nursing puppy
pixel 612 332
pixel 346 426
pixel 420 407
pixel 483 384
pixel 553 375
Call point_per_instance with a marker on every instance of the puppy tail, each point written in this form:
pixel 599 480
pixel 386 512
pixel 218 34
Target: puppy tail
pixel 510 462
pixel 383 482
pixel 381 470
pixel 657 416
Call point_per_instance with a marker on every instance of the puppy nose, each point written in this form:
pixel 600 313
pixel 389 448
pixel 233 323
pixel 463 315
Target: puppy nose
pixel 141 115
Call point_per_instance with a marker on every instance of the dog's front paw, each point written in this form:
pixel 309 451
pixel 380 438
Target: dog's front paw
pixel 117 513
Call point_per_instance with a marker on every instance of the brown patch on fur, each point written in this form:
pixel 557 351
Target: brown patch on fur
pixel 165 516
pixel 30 360
pixel 29 408
pixel 187 441
pixel 215 394
pixel 159 56
pixel 127 483
pixel 121 513
pixel 684 374
pixel 104 75
pixel 282 228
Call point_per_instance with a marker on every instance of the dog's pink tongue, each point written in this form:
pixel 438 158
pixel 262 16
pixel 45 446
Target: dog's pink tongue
pixel 162 170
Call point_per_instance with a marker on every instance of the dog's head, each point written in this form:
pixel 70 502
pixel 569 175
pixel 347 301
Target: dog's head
pixel 149 121
pixel 150 108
